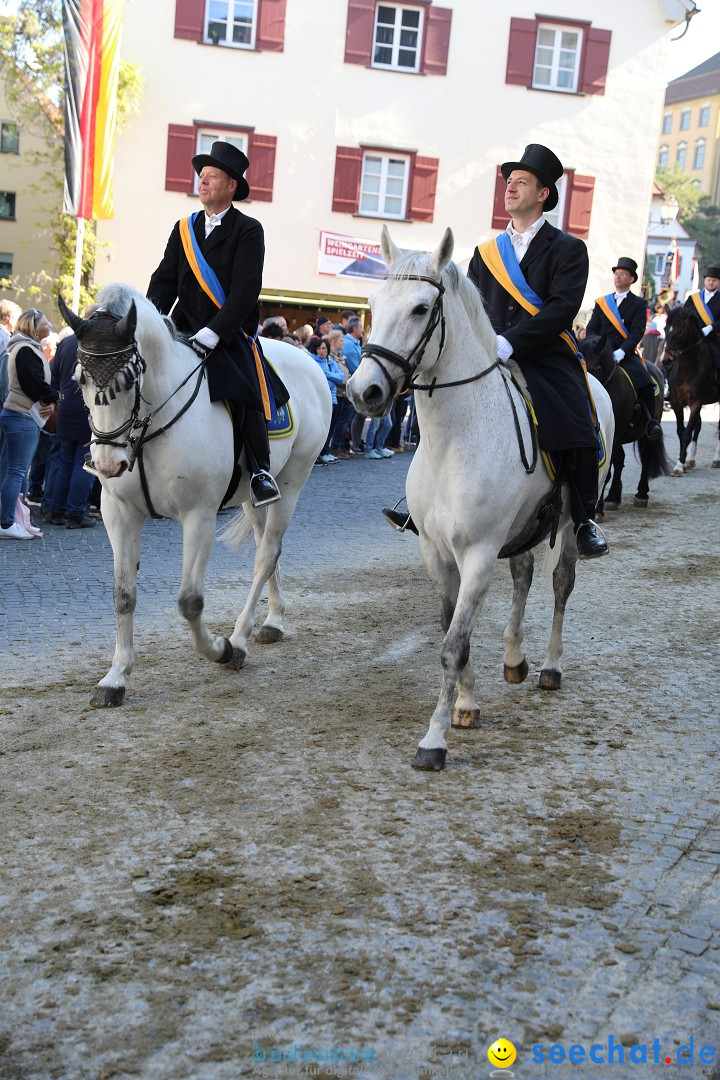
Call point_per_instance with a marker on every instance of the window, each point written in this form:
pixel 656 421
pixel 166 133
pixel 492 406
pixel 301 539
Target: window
pixel 684 119
pixel 659 262
pixel 557 58
pixel 375 182
pixel 681 155
pixel 7 204
pixel 398 37
pixel 556 217
pixel 572 213
pixel 6 260
pixel 570 58
pixel 704 119
pixel 398 33
pixel 240 24
pixel 186 140
pixel 667 123
pixel 699 159
pixel 663 155
pixel 9 138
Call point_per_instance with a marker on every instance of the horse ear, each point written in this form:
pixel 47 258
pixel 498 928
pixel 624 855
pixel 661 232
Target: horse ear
pixel 75 322
pixel 390 251
pixel 442 254
pixel 125 328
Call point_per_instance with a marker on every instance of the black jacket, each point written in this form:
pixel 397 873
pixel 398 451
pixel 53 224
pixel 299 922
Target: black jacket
pixel 71 422
pixel 713 339
pixel 633 311
pixel 556 267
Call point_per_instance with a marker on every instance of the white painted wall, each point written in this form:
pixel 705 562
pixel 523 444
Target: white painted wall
pixel 471 120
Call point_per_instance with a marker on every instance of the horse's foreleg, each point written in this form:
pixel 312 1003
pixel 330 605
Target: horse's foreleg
pixel 515 668
pixel 454 655
pixel 198 536
pixel 693 434
pixel 273 629
pixel 563 583
pixel 614 495
pixel 466 713
pixel 716 459
pixel 124 530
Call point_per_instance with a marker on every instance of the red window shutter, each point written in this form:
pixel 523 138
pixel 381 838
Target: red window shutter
pixel 521 51
pixel 180 151
pixel 270 35
pixel 579 204
pixel 500 216
pixel 423 184
pixel 261 174
pixel 189 19
pixel 348 173
pixel 437 40
pixel 359 35
pixel 596 57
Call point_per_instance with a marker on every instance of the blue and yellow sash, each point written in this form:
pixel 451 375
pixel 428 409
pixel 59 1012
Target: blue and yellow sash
pixel 499 256
pixel 612 313
pixel 702 309
pixel 208 281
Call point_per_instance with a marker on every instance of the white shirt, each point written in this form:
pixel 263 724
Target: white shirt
pixel 708 295
pixel 520 242
pixel 212 220
pixel 620 296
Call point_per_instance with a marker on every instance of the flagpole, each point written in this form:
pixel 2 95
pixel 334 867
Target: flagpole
pixel 78 264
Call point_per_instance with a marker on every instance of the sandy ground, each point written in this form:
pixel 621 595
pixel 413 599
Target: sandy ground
pixel 242 863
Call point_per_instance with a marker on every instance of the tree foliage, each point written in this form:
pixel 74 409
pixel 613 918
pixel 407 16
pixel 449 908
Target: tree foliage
pixel 697 213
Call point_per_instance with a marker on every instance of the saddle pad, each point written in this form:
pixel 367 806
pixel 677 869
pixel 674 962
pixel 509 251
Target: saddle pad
pixel 284 424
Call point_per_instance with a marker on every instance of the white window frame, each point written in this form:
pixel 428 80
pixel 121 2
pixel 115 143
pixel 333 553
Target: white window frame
pixel 681 146
pixel 685 120
pixel 556 217
pixel 704 110
pixel 205 137
pixel 558 29
pixel 227 40
pixel 664 155
pixel 699 147
pixel 385 158
pixel 394 64
pixel 667 123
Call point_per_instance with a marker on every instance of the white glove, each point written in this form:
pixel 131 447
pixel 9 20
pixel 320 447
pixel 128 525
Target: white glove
pixel 504 348
pixel 618 355
pixel 707 330
pixel 206 337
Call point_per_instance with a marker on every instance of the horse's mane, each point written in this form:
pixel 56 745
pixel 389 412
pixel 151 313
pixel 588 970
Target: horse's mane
pixel 153 328
pixel 416 262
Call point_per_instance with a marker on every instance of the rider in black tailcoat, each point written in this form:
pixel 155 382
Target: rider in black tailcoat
pixel 633 312
pixel 234 247
pixel 711 296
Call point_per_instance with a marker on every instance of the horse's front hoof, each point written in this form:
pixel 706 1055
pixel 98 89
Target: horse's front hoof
pixel 429 760
pixel 549 679
pixel 465 718
pixel 715 465
pixel 642 503
pixel 107 697
pixel 689 464
pixel 516 674
pixel 678 471
pixel 227 653
pixel 268 635
pixel 599 515
pixel 610 505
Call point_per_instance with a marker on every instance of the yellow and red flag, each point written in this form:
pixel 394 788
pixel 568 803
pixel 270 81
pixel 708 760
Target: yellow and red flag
pixel 91 31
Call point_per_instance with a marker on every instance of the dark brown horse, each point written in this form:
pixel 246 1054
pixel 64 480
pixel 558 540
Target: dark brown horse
pixel 692 382
pixel 630 421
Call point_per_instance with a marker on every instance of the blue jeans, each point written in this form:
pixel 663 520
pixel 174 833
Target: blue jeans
pixel 343 419
pixel 71 489
pixel 21 439
pixel 377 433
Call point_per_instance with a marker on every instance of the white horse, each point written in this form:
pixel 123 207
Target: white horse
pixel 469 492
pixel 179 465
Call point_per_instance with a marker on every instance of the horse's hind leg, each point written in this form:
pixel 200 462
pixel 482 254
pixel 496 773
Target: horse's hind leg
pixel 198 536
pixel 515 668
pixel 563 584
pixel 614 495
pixel 693 432
pixel 716 459
pixel 272 629
pixel 124 528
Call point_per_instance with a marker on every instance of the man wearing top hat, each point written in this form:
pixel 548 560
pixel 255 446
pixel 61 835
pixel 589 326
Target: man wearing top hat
pixel 225 248
pixel 552 268
pixel 705 306
pixel 622 317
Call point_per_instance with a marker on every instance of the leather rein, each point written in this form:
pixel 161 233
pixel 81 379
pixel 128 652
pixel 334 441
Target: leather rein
pixel 411 363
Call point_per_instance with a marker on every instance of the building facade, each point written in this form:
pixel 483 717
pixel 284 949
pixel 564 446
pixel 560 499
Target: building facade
pixel 356 113
pixel 690 131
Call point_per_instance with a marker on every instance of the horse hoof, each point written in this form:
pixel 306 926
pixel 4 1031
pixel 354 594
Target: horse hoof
pixel 678 471
pixel 107 697
pixel 610 505
pixel 640 502
pixel 268 635
pixel 465 718
pixel 715 465
pixel 227 653
pixel 549 679
pixel 516 674
pixel 689 464
pixel 237 659
pixel 599 515
pixel 429 760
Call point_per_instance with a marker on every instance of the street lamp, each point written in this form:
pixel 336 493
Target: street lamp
pixel 668 216
pixel 669 210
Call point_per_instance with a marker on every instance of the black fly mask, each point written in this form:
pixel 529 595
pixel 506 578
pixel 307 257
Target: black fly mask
pixel 107 351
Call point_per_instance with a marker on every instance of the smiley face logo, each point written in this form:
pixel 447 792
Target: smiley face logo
pixel 501 1054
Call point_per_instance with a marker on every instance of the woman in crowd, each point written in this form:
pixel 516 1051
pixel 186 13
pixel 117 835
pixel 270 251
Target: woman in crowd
pixel 29 402
pixel 344 412
pixel 321 351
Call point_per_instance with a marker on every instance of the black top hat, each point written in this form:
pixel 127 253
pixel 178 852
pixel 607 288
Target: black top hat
pixel 712 271
pixel 227 157
pixel 624 263
pixel 540 161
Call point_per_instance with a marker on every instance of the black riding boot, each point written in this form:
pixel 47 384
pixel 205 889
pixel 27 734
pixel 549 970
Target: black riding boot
pixel 582 471
pixel 263 489
pixel 653 428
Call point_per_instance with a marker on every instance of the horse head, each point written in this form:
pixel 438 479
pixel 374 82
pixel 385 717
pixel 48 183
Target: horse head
pixel 681 335
pixel 598 357
pixel 408 325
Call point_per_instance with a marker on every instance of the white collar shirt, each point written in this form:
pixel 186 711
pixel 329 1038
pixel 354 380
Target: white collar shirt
pixel 708 295
pixel 521 240
pixel 620 296
pixel 213 220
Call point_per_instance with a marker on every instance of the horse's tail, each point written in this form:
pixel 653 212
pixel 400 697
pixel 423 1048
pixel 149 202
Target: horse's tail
pixel 236 533
pixel 653 457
